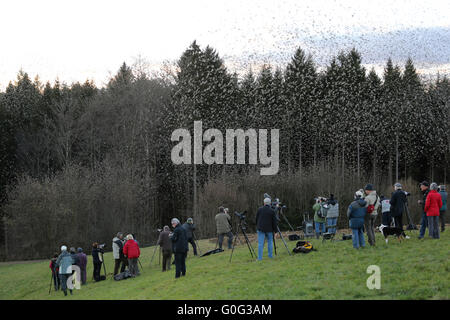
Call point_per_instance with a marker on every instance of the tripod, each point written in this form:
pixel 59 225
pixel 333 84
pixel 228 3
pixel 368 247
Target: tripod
pixel 411 225
pixel 103 262
pixel 196 242
pixel 285 219
pixel 242 226
pixel 281 236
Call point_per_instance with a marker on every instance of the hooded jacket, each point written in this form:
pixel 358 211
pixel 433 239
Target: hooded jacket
pixel 356 213
pixel 373 199
pixel 223 223
pixel 117 246
pixel 433 204
pixel 131 249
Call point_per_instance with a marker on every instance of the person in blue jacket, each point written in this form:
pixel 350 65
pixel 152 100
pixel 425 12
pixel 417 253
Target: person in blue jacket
pixel 356 213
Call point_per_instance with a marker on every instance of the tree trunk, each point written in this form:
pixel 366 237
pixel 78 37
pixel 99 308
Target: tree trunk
pixel 194 185
pixel 390 171
pixel 396 157
pixel 300 165
pixel 357 138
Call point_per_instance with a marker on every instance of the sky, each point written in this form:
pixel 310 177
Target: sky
pixel 79 40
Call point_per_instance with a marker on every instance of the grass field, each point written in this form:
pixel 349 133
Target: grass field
pixel 413 269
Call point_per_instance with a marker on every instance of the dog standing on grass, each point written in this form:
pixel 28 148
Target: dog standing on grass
pixel 387 231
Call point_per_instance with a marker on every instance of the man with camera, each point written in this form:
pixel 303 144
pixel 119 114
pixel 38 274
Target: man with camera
pixel 398 203
pixel 180 247
pixel 223 226
pixel 189 226
pixel 119 258
pixel 97 250
pixel 166 246
pixel 266 225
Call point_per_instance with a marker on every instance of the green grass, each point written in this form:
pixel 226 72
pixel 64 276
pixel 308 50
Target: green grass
pixel 413 269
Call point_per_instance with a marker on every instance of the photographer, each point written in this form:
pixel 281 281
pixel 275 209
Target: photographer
pixel 189 226
pixel 356 213
pixel 319 216
pixel 64 262
pixel 55 272
pixel 166 246
pixel 424 187
pixel 82 259
pixel 223 226
pixel 373 202
pixel 180 247
pixel 96 260
pixel 332 213
pixel 398 203
pixel 119 258
pixel 132 252
pixel 266 225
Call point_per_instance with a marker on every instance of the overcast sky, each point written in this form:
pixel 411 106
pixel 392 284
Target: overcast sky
pixel 79 40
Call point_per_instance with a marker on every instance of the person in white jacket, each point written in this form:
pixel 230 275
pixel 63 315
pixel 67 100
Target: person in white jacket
pixel 372 203
pixel 117 246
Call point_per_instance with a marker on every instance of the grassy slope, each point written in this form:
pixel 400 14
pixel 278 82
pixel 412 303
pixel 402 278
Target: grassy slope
pixel 413 269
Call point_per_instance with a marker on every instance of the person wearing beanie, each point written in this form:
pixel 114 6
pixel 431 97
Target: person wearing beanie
pixel 132 252
pixel 189 226
pixel 356 213
pixel 180 247
pixel 443 210
pixel 398 203
pixel 433 205
pixel 223 227
pixel 82 263
pixel 166 247
pixel 372 204
pixel 266 226
pixel 425 188
pixel 64 262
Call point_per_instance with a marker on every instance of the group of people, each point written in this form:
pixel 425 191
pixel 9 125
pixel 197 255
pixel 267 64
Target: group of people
pixel 363 211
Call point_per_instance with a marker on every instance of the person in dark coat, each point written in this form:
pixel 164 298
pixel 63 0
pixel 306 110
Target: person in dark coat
pixel 266 225
pixel 443 194
pixel 189 226
pixel 166 247
pixel 96 260
pixel 82 260
pixel 425 188
pixel 356 213
pixel 55 272
pixel 180 247
pixel 398 202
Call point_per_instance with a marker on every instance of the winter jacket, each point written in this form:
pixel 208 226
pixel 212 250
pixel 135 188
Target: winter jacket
pixel 164 241
pixel 179 240
pixel 223 223
pixel 333 208
pixel 433 204
pixel 131 249
pixel 53 266
pixel 75 259
pixel 266 220
pixel 398 200
pixel 444 200
pixel 373 199
pixel 356 213
pixel 96 256
pixel 82 260
pixel 424 200
pixel 117 246
pixel 65 262
pixel 316 207
pixel 189 227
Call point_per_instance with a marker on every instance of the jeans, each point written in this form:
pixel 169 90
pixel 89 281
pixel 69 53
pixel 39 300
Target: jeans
pixel 320 228
pixel 180 264
pixel 261 239
pixel 331 222
pixel 194 247
pixel 358 238
pixel 433 227
pixel 230 239
pixel 423 225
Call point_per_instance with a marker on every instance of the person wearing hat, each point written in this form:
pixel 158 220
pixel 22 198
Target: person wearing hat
pixel 372 204
pixel 82 262
pixel 64 262
pixel 425 188
pixel 223 227
pixel 398 202
pixel 443 194
pixel 356 213
pixel 266 225
pixel 432 207
pixel 180 247
pixel 189 226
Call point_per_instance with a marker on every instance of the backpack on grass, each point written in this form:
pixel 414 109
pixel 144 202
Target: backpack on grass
pixel 123 275
pixel 303 246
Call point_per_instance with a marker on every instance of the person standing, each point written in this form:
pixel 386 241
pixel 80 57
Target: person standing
pixel 332 213
pixel 266 225
pixel 443 210
pixel 424 187
pixel 189 226
pixel 356 213
pixel 223 227
pixel 180 247
pixel 166 247
pixel 132 252
pixel 65 262
pixel 82 263
pixel 119 259
pixel 372 204
pixel 398 202
pixel 433 205
pixel 319 216
pixel 55 272
pixel 96 260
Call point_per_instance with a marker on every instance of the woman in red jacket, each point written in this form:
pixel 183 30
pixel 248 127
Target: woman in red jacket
pixel 132 253
pixel 432 207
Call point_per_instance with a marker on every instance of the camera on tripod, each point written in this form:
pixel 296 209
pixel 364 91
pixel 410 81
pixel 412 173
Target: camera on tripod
pixel 241 215
pixel 102 246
